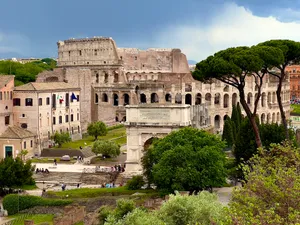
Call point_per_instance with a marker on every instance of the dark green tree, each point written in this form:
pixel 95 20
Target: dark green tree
pixel 97 129
pixel 188 159
pixel 229 132
pixel 233 65
pixel 14 173
pixel 106 148
pixel 61 138
pixel 291 54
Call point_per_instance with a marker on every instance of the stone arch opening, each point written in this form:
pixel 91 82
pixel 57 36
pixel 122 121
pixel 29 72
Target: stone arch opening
pixel 198 99
pixel 226 101
pixel 96 98
pixel 154 98
pixel 116 99
pixel 249 98
pixel 263 99
pixel 116 77
pixel 178 98
pixel 269 98
pixel 126 99
pixel 208 98
pixel 217 122
pixel 104 97
pixel 105 77
pixel 234 99
pixel 188 99
pixel 137 89
pixel 278 117
pixel 124 119
pixel 117 119
pixel 168 97
pixel 225 117
pixel 274 97
pixel 149 142
pixel 217 98
pixel 263 118
pixel 97 78
pixel 273 118
pixel 143 98
pixel 269 118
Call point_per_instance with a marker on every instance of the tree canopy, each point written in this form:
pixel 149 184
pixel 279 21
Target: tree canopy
pixel 270 194
pixel 234 65
pixel 291 54
pixel 188 159
pixel 27 72
pixel 97 129
pixel 106 148
pixel 60 138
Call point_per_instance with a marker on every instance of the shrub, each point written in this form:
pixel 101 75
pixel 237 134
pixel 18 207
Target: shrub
pixel 104 212
pixel 135 183
pixel 106 148
pixel 14 203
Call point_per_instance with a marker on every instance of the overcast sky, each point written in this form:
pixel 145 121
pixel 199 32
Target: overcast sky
pixel 31 28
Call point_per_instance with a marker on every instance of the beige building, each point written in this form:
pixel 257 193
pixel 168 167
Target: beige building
pixel 6 105
pixel 111 78
pixel 44 108
pixel 14 140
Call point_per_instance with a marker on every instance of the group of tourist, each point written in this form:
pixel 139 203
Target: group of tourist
pixel 41 170
pixel 111 185
pixel 118 168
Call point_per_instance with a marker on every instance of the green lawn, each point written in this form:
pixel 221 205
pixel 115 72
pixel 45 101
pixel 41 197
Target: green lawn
pixel 97 192
pixel 118 135
pixel 295 109
pixel 29 187
pixel 37 218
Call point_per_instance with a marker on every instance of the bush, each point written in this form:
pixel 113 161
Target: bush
pixel 135 183
pixel 104 212
pixel 106 148
pixel 14 203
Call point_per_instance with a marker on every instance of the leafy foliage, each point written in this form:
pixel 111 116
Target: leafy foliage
pixel 14 203
pixel 106 148
pixel 271 193
pixel 14 173
pixel 60 138
pixel 187 159
pixel 27 72
pixel 135 183
pixel 97 129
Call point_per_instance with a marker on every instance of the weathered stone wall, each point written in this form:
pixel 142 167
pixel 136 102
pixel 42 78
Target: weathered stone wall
pixel 72 214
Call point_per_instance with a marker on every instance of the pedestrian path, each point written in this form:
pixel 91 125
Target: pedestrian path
pixel 75 168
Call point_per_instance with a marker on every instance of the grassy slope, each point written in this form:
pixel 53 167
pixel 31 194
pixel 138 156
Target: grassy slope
pixel 117 135
pixel 37 218
pixel 295 109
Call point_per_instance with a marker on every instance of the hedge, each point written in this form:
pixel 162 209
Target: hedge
pixel 14 203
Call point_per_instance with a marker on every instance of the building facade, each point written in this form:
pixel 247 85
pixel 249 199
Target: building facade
pixel 46 108
pixel 111 78
pixel 294 72
pixel 6 103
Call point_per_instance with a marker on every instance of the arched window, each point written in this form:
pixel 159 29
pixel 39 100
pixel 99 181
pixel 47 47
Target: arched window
pixel 178 98
pixel 126 99
pixel 106 78
pixel 217 98
pixel 96 98
pixel 249 98
pixel 208 99
pixel 263 118
pixel 104 97
pixel 116 99
pixel 168 98
pixel 217 121
pixel 226 101
pixel 154 98
pixel 198 99
pixel 234 99
pixel 263 99
pixel 188 99
pixel 97 78
pixel 143 98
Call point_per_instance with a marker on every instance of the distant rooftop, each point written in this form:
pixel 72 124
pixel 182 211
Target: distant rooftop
pixel 34 86
pixel 15 132
pixel 5 79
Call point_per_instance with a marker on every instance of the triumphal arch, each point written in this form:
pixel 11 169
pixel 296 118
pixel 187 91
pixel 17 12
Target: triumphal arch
pixel 147 121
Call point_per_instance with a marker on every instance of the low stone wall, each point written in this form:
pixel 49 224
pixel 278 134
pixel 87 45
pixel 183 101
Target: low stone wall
pixel 51 152
pixel 72 214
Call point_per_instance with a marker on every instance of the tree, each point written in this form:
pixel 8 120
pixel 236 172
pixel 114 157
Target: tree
pixel 97 129
pixel 270 194
pixel 233 65
pixel 106 148
pixel 61 138
pixel 187 159
pixel 14 173
pixel 291 54
pixel 229 133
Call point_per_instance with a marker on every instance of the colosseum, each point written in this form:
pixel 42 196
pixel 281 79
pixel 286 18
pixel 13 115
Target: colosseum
pixel 111 78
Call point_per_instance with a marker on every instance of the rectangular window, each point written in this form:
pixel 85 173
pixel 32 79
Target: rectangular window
pixel 0 95
pixel 28 101
pixel 67 100
pixel 6 120
pixel 16 102
pixel 31 143
pixel 24 144
pixel 47 101
pixel 40 101
pixel 77 116
pixel 72 118
pixel 54 101
pixel 11 95
pixel 67 118
pixel 77 98
pixel 54 120
pixel 60 119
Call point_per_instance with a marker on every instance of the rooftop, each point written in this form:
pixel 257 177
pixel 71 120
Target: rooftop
pixel 5 79
pixel 15 132
pixel 35 86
